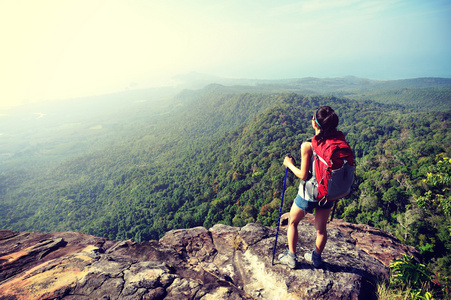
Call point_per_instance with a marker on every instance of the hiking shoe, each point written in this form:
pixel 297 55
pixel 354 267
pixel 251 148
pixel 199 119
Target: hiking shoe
pixel 288 258
pixel 314 258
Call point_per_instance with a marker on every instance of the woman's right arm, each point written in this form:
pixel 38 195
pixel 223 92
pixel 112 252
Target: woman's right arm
pixel 306 154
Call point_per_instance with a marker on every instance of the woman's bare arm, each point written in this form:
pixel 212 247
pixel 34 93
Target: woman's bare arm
pixel 306 154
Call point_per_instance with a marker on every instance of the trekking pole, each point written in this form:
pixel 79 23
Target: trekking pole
pixel 280 213
pixel 333 211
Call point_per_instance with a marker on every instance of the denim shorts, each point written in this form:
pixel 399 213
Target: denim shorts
pixel 309 206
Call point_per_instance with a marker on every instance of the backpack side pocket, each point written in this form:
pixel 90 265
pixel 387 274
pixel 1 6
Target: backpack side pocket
pixel 340 182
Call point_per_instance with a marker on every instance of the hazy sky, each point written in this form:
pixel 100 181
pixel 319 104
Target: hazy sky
pixel 63 48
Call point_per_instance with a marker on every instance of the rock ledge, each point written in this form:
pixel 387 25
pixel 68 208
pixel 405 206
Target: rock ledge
pixel 220 263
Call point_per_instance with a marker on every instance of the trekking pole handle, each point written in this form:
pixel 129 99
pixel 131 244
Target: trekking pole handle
pixel 290 156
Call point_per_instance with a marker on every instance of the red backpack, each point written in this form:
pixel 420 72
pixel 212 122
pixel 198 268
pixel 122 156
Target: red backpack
pixel 333 167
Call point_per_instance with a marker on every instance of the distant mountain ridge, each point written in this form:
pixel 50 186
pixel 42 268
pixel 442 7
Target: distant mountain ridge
pixel 315 84
pixel 401 91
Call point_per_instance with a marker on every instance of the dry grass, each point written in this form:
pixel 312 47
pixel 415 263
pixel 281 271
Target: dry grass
pixel 385 293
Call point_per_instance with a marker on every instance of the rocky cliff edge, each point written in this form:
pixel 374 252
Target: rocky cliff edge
pixel 222 262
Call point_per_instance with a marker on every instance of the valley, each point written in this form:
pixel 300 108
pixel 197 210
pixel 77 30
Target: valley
pixel 121 168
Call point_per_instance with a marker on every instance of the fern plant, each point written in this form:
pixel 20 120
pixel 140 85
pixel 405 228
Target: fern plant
pixel 412 276
pixel 407 272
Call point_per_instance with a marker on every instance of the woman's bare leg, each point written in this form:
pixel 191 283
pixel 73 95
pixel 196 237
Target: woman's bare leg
pixel 296 215
pixel 321 216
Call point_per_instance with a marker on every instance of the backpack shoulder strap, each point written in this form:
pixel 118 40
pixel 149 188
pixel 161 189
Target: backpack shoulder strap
pixel 321 159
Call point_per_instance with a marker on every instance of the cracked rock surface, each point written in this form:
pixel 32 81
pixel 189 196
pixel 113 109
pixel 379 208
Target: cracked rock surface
pixel 222 262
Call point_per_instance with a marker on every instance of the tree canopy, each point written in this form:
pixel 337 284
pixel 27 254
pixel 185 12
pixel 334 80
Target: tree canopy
pixel 216 157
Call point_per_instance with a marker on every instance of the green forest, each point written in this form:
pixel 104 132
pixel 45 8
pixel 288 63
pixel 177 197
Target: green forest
pixel 215 155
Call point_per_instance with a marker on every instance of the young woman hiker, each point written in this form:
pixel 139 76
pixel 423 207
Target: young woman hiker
pixel 325 123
